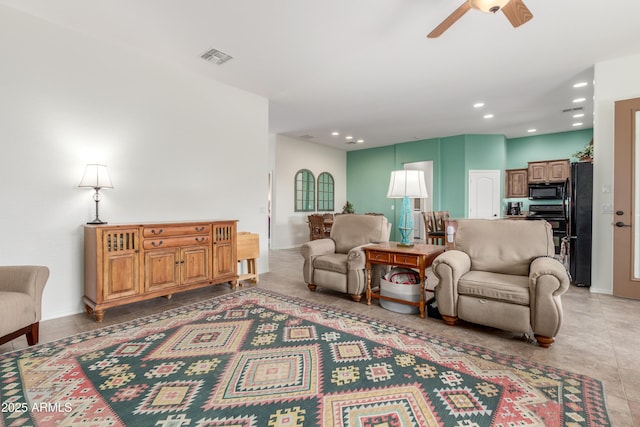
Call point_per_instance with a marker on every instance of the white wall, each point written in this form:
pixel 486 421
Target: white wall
pixel 289 228
pixel 615 80
pixel 178 146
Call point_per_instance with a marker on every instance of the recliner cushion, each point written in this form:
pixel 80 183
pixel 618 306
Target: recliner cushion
pixel 349 231
pixel 331 262
pixel 495 286
pixel 502 245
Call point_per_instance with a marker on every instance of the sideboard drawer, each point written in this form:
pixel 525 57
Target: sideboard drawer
pixel 379 256
pixel 180 230
pixel 174 242
pixel 406 260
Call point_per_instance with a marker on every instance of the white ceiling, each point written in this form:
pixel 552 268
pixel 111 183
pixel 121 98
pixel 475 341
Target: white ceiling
pixel 365 67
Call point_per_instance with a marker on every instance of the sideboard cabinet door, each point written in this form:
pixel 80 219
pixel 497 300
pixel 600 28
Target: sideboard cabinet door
pixel 121 260
pixel 224 250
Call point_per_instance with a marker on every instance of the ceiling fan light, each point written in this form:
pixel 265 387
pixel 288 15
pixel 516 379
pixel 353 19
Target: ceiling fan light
pixel 488 6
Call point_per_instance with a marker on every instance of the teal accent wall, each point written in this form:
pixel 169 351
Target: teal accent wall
pixel 453 176
pixel 546 147
pixel 368 170
pixel 368 173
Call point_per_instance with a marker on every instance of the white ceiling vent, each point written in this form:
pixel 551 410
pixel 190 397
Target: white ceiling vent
pixel 569 110
pixel 216 56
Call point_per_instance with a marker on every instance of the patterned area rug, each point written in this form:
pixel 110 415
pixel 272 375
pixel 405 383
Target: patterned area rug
pixel 257 358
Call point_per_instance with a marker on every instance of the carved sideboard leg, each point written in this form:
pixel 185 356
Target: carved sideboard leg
pixel 544 342
pixel 449 320
pixel 99 315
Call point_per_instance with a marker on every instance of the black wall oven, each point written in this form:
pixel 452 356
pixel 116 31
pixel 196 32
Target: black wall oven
pixel 555 215
pixel 555 191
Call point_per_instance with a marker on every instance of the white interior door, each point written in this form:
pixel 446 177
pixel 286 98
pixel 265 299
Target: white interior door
pixel 420 205
pixel 484 194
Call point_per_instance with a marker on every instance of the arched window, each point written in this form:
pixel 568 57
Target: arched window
pixel 325 192
pixel 305 191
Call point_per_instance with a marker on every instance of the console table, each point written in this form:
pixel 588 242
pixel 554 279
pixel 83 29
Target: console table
pixel 418 256
pixel 127 263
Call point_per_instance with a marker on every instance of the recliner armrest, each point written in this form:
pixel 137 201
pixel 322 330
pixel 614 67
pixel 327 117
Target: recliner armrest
pixel 318 247
pixel 448 267
pixel 544 266
pixel 548 280
pixel 356 258
pixel 458 261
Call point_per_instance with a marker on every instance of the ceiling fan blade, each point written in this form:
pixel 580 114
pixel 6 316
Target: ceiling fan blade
pixel 516 12
pixel 450 20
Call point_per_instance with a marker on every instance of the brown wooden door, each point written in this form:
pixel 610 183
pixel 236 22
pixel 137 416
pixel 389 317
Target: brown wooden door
pixel 224 250
pixel 121 260
pixel 195 264
pixel 161 269
pixel 558 171
pixel 517 183
pixel 626 236
pixel 537 172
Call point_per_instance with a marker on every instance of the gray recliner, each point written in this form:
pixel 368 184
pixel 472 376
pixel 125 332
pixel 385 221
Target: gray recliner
pixel 338 262
pixel 21 290
pixel 503 274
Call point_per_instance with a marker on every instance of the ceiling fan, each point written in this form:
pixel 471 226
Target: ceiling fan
pixel 515 11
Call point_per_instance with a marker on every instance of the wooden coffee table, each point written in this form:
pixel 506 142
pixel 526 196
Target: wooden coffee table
pixel 418 256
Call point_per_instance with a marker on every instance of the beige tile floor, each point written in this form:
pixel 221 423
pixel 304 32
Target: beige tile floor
pixel 600 336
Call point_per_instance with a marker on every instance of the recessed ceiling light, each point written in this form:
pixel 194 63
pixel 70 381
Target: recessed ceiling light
pixel 580 84
pixel 577 124
pixel 532 130
pixel 575 116
pixel 335 133
pixel 348 137
pixel 575 101
pixel 488 116
pixel 360 141
pixel 478 105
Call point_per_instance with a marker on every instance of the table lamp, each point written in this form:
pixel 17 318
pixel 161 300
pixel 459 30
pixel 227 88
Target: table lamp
pixel 96 177
pixel 405 185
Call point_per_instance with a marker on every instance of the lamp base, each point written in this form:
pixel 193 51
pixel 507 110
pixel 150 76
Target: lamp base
pixel 405 245
pixel 97 221
pixel 405 234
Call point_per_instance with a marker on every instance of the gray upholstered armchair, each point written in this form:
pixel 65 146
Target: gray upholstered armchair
pixel 502 274
pixel 338 262
pixel 21 301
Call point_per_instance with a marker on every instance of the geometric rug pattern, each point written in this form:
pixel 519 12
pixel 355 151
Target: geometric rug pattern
pixel 255 358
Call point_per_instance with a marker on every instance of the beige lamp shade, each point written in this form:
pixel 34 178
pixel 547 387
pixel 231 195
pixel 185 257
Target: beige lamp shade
pixel 96 176
pixel 407 183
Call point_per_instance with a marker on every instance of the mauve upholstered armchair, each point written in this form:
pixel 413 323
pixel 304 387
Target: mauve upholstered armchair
pixel 503 274
pixel 21 290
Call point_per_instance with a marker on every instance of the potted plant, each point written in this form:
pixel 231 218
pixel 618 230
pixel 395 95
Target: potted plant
pixel 586 154
pixel 348 208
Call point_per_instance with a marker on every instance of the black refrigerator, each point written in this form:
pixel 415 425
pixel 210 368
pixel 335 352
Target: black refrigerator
pixel 580 223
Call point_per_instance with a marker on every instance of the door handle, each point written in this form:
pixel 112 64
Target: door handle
pixel 621 224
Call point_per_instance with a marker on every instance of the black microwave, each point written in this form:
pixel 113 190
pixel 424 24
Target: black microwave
pixel 546 191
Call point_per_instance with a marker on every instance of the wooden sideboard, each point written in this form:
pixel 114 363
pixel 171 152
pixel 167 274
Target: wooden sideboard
pixel 127 263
